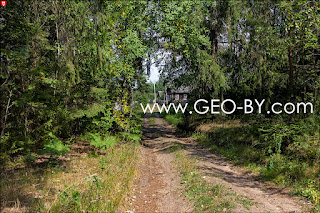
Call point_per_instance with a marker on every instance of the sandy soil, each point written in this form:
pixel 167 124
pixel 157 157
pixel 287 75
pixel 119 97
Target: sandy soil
pixel 158 187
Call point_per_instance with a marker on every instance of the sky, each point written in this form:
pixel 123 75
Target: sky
pixel 155 69
pixel 154 73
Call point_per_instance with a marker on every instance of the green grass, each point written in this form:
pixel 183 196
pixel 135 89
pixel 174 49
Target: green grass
pixel 176 147
pixel 174 119
pixel 129 137
pixel 152 121
pixel 205 196
pixel 283 153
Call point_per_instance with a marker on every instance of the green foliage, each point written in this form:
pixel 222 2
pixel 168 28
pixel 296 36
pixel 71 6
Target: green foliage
pixel 54 146
pixel 130 137
pixel 284 153
pixel 299 140
pixel 143 97
pixel 65 67
pixel 104 122
pixel 73 67
pixel 90 111
pixel 310 190
pixel 70 196
pixel 101 141
pixel 174 119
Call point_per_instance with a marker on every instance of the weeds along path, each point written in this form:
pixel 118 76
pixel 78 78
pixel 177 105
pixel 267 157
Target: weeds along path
pixel 158 187
pixel 266 197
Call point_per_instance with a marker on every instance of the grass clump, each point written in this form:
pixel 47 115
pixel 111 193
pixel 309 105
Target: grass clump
pixel 126 136
pixel 206 197
pixel 152 121
pixel 174 119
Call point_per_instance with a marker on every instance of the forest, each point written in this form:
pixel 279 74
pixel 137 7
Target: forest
pixel 72 71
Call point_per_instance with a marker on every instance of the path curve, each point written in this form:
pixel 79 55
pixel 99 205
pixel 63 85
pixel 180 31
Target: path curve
pixel 158 187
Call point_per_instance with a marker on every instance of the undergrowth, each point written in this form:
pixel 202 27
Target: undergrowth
pixel 91 183
pixel 278 152
pixel 174 119
pixel 54 146
pixel 286 153
pixel 101 141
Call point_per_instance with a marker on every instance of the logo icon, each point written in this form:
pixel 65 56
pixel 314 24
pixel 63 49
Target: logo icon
pixel 3 3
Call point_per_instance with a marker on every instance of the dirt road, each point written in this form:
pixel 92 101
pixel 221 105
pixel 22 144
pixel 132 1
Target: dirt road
pixel 158 187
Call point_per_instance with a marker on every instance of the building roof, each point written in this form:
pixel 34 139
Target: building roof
pixel 180 89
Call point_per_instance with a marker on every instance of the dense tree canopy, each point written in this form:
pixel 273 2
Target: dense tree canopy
pixel 262 49
pixel 73 66
pixel 64 65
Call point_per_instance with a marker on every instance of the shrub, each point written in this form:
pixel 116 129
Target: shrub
pixel 101 141
pixel 54 146
pixel 130 137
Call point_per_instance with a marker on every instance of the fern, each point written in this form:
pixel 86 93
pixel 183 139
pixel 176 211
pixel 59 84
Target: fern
pixel 100 141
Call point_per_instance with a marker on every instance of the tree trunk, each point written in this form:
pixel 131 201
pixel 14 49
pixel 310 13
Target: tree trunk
pixel 5 117
pixel 213 32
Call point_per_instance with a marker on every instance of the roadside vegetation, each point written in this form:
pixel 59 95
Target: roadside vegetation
pixel 96 176
pixel 285 154
pixel 72 73
pixel 206 197
pixel 251 50
pixel 174 119
pixel 68 128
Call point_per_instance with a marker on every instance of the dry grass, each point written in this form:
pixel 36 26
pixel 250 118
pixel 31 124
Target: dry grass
pixel 208 127
pixel 89 184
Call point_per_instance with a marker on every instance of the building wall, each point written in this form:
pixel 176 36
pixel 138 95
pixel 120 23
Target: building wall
pixel 177 97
